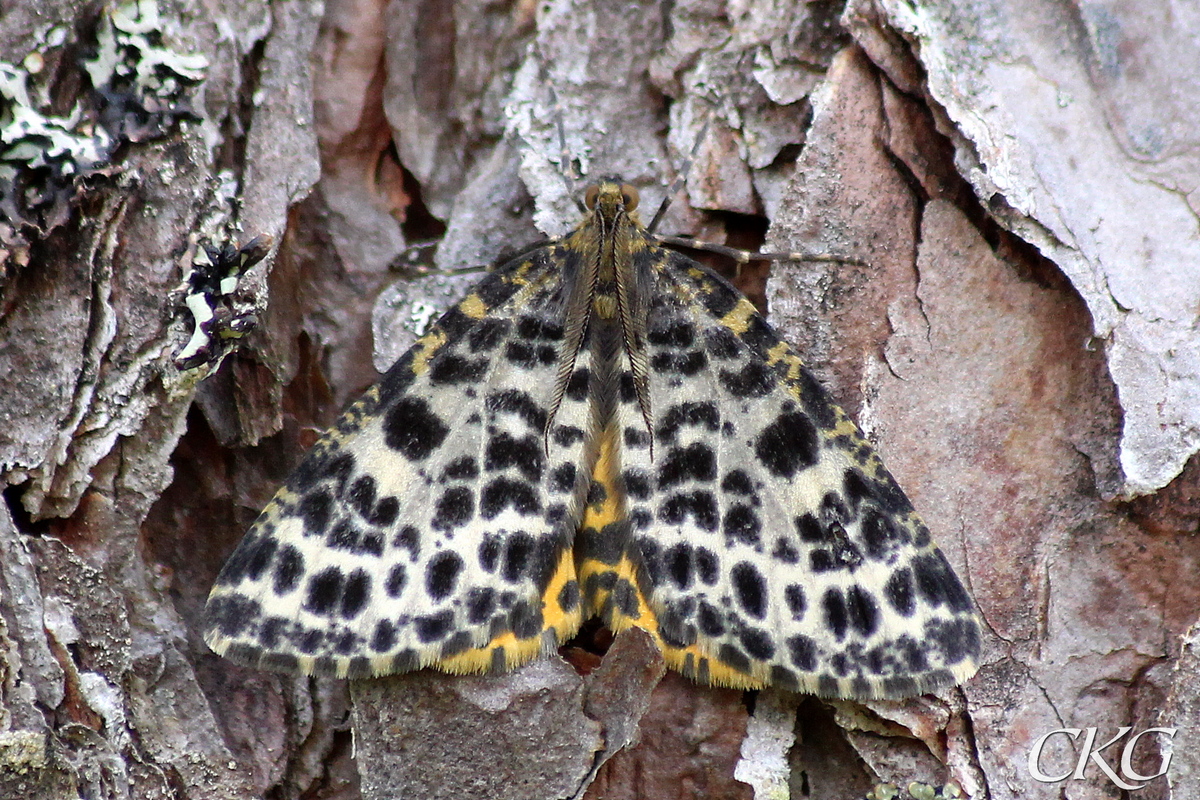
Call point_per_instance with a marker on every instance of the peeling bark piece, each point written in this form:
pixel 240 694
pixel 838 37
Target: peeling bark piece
pixel 521 736
pixel 691 742
pixel 1182 710
pixel 619 692
pixel 770 735
pixel 22 606
pixel 1082 151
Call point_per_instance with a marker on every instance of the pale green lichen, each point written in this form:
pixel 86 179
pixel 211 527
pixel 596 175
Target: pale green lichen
pixel 22 751
pixel 141 88
pixel 136 74
pixel 915 791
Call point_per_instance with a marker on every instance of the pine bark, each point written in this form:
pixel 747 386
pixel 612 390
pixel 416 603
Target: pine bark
pixel 1005 385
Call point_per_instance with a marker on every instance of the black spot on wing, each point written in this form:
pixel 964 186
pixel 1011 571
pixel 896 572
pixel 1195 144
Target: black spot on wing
pixel 397 577
pixel 719 298
pixel 884 539
pixel 759 336
pixel 385 512
pixel 356 593
pixel 448 368
pixel 652 559
pixel 344 536
pixel 697 414
pixel 464 468
pixel 937 582
pixel 231 614
pixel 577 385
pixel 516 401
pixel 707 565
pixel 816 400
pixel 562 477
pixel 568 596
pixel 677 560
pixel 636 438
pixel 722 343
pixel 526 620
pixel 710 621
pixel 699 505
pixel 954 640
pixel 530 356
pixel 489 552
pixel 793 596
pixel 733 657
pixel 834 605
pixel 454 509
pixel 674 630
pixel 481 603
pixel 539 329
pixel 899 592
pixel 787 445
pixel 637 484
pixel 627 391
pixel 624 597
pixel 408 538
pixel 736 481
pixel 803 653
pixel 433 627
pixel 322 465
pixel 314 510
pixel 525 454
pixel 741 525
pixel 689 363
pixel 750 589
pixel 384 636
pixel 754 379
pixel 324 591
pixel 518 555
pixel 696 462
pixel 289 566
pixel 885 492
pixel 785 552
pixel 862 612
pixel 361 496
pixel 757 644
pixel 412 428
pixel 252 560
pixel 567 435
pixel 441 576
pixel 501 493
pixel 666 331
pixel 487 334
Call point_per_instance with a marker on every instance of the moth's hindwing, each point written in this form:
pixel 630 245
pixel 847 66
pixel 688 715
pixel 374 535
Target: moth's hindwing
pixel 431 524
pixel 767 543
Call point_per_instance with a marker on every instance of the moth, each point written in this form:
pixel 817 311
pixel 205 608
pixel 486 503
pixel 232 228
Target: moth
pixel 601 428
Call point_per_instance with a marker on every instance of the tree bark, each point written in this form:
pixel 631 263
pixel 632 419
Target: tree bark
pixel 1020 346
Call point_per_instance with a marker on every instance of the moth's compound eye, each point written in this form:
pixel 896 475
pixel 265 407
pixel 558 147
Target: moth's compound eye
pixel 630 196
pixel 589 199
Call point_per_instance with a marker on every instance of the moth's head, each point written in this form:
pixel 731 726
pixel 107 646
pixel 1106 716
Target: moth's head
pixel 609 199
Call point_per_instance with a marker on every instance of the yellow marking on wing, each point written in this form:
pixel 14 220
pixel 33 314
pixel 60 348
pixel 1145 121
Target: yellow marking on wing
pixel 564 622
pixel 555 618
pixel 738 319
pixel 691 660
pixel 608 466
pixel 429 345
pixel 781 352
pixel 473 306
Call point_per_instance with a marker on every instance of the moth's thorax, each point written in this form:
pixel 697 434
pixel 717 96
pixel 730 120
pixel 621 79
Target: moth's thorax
pixel 607 237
